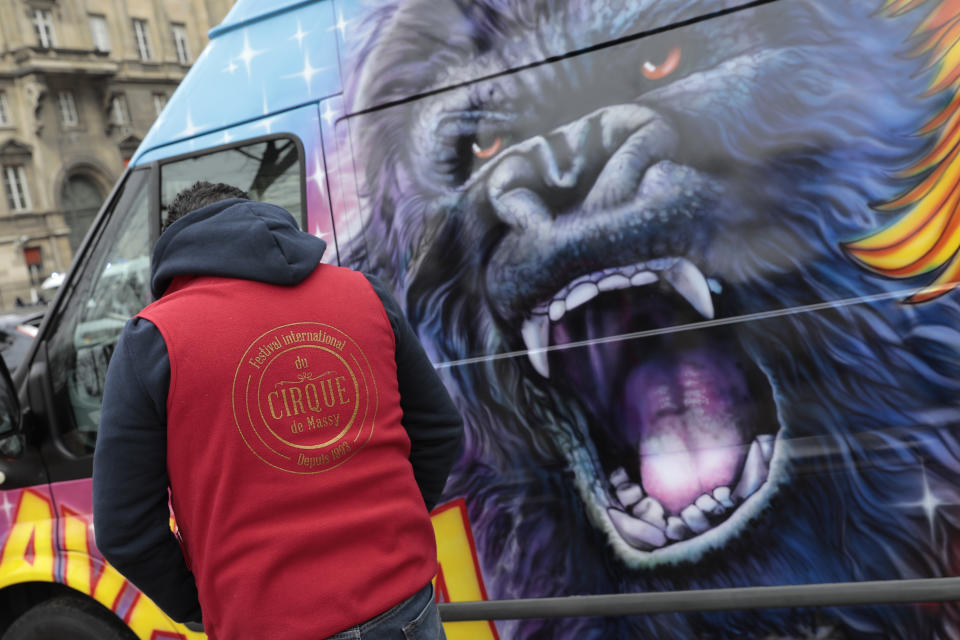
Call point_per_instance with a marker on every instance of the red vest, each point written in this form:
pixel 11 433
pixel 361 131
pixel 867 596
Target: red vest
pixel 289 472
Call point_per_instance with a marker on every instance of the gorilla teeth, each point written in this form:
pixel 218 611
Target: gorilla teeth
pixel 638 533
pixel 580 294
pixel 693 517
pixel 536 334
pixel 684 276
pixel 643 522
pixel 754 473
pixel 557 309
pixel 647 527
pixel 680 273
pixel 766 445
pixel 619 477
pixel 614 282
pixel 650 510
pixel 676 529
pixel 690 283
pixel 722 495
pixel 643 278
pixel 709 505
pixel 629 494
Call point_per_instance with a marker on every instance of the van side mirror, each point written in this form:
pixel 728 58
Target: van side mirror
pixel 12 440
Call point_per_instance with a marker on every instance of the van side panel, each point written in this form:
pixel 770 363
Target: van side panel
pixel 688 268
pixel 49 538
pixel 665 254
pixel 80 566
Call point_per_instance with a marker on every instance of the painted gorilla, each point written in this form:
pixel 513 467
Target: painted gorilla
pixel 629 260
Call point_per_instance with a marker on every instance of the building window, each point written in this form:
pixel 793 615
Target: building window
pixel 43 26
pixel 142 36
pixel 5 120
pixel 159 102
pixel 33 257
pixel 101 36
pixel 118 110
pixel 180 42
pixel 15 180
pixel 68 109
pixel 81 199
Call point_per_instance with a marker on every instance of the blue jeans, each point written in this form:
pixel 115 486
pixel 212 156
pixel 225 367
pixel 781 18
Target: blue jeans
pixel 416 618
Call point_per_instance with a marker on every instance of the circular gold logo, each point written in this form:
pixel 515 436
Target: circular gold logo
pixel 304 397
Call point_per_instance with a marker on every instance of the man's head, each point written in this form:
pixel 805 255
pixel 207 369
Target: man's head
pixel 199 195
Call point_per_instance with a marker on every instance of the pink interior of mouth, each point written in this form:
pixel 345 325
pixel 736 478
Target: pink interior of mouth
pixel 678 410
pixel 692 410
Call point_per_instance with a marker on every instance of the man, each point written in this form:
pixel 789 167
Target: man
pixel 295 418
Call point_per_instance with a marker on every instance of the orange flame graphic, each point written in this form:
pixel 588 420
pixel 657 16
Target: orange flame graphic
pixel 926 237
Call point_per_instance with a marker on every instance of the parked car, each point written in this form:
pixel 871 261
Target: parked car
pixel 17 332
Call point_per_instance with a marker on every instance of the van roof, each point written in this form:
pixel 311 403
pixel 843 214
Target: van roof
pixel 247 11
pixel 268 56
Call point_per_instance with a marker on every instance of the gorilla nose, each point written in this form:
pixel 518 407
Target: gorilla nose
pixel 598 192
pixel 592 163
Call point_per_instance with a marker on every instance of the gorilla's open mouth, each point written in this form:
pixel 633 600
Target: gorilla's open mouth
pixel 685 421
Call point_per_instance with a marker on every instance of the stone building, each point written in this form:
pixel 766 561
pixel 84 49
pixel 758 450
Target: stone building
pixel 81 81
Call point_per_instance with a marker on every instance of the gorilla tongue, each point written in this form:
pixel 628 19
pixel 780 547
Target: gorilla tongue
pixel 680 408
pixel 688 408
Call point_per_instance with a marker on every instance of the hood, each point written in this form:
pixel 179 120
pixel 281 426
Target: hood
pixel 235 238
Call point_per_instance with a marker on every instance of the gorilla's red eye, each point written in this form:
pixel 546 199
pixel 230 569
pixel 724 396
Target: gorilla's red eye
pixel 485 153
pixel 665 68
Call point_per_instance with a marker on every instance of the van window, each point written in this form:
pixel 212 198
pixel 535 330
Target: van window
pixel 109 287
pixel 269 170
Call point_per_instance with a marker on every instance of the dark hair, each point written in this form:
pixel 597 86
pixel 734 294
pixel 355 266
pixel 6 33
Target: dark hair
pixel 198 196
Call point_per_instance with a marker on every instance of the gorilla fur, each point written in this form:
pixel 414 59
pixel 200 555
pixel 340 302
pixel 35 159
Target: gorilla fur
pixel 770 145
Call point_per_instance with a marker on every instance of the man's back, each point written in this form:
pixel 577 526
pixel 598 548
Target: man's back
pixel 287 459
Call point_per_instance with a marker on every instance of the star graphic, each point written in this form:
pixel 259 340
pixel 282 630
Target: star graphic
pixel 191 128
pixel 226 137
pixel 248 53
pixel 341 26
pixel 299 35
pixel 308 72
pixel 319 176
pixel 929 502
pixel 6 506
pixel 231 68
pixel 267 123
pixel 329 114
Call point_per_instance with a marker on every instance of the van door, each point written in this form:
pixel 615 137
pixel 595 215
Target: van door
pixel 110 283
